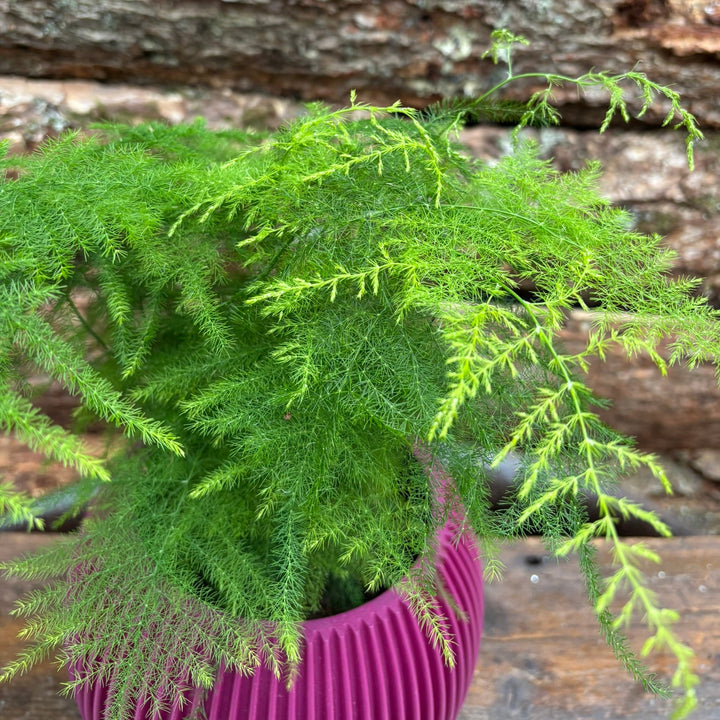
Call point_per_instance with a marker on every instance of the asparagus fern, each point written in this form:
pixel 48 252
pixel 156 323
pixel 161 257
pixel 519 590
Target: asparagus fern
pixel 276 324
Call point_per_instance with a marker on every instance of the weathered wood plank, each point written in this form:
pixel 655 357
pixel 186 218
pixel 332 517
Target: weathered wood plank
pixel 34 696
pixel 542 658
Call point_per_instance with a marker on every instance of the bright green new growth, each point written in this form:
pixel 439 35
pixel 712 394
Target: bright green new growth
pixel 277 324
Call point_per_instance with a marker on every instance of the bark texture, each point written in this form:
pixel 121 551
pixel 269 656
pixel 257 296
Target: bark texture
pixel 414 50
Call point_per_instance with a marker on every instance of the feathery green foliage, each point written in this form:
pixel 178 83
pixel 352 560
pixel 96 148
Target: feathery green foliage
pixel 277 324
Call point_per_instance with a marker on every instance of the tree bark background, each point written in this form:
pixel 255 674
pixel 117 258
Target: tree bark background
pixel 414 50
pixel 65 63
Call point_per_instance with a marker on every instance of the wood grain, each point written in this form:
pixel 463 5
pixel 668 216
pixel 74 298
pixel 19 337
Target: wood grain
pixel 542 658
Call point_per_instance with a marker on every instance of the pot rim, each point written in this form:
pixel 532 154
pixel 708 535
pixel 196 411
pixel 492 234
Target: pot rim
pixel 388 601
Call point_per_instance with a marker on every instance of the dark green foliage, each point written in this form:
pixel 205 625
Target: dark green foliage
pixel 288 330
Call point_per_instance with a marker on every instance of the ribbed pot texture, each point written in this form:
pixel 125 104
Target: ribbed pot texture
pixel 371 663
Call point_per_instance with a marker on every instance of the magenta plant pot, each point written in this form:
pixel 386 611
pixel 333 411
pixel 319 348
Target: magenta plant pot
pixel 371 663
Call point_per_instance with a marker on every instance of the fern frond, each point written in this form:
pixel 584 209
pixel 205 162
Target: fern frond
pixel 17 508
pixel 281 321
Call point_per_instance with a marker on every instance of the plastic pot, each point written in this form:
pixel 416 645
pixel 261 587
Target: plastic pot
pixel 371 663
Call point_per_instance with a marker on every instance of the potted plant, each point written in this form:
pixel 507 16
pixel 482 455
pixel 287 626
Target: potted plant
pixel 314 345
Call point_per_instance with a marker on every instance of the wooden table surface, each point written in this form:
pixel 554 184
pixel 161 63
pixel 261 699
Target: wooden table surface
pixel 542 658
